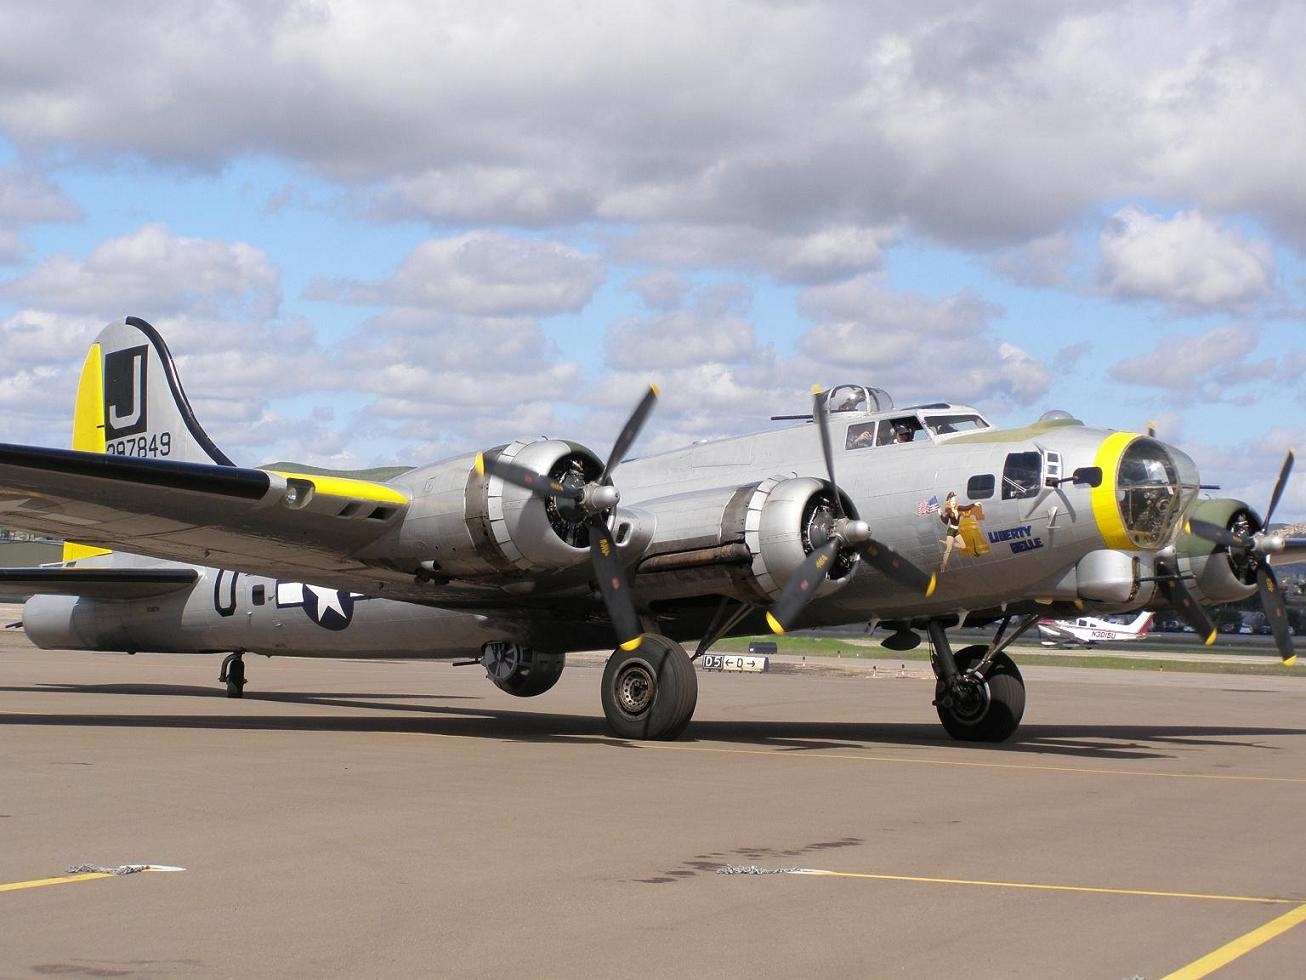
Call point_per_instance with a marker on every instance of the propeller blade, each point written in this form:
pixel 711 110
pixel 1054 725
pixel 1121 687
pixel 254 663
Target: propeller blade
pixel 1183 603
pixel 612 584
pixel 1278 489
pixel 823 426
pixel 1276 612
pixel 631 430
pixel 528 479
pixel 800 589
pixel 1217 534
pixel 898 568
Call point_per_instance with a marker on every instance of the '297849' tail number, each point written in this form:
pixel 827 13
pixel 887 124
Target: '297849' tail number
pixel 148 444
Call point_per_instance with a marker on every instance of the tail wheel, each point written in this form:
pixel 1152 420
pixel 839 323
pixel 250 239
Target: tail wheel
pixel 650 692
pixel 988 712
pixel 233 673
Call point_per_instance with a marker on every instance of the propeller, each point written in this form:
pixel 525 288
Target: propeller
pixel 1171 584
pixel 1256 546
pixel 846 534
pixel 595 500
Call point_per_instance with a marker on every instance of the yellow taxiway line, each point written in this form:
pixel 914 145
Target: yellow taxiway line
pixel 1037 886
pixel 1203 967
pixel 14 886
pixel 967 763
pixel 823 755
pixel 1230 951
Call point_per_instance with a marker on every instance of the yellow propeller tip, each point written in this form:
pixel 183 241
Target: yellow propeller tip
pixel 480 464
pixel 1290 661
pixel 632 644
pixel 774 623
pixel 816 389
pixel 934 584
pixel 657 392
pixel 1211 637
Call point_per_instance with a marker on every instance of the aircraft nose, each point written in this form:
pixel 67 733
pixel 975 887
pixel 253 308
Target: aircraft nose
pixel 1147 489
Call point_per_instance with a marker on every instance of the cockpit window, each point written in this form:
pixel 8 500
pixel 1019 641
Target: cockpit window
pixel 861 436
pixel 1021 475
pixel 980 487
pixel 946 424
pixel 906 429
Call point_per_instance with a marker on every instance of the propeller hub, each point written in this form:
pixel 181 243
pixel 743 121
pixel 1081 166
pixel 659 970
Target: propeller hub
pixel 853 532
pixel 600 497
pixel 1270 544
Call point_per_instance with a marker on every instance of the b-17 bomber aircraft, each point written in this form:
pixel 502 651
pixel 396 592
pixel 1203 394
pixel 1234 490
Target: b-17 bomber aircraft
pixel 517 554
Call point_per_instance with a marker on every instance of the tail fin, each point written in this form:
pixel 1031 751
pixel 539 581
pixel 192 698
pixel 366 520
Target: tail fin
pixel 1141 624
pixel 130 402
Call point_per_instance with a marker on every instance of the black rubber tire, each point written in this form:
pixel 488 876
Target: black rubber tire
pixel 650 692
pixel 1006 700
pixel 540 679
pixel 236 679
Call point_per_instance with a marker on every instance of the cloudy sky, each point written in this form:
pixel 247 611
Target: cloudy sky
pixel 385 232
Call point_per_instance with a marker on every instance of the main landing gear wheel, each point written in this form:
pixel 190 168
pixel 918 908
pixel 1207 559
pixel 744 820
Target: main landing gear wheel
pixel 650 692
pixel 987 712
pixel 233 674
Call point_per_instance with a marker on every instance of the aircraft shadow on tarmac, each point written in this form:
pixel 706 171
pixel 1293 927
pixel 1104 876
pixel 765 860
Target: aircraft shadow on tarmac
pixel 1121 742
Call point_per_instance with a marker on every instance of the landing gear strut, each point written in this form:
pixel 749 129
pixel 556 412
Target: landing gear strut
pixel 233 675
pixel 650 692
pixel 979 695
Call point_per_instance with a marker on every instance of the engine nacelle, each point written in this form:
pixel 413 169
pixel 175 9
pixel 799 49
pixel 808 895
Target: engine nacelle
pixel 1216 574
pixel 465 525
pixel 760 535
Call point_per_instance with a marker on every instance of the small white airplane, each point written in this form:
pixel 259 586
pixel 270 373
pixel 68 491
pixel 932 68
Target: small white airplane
pixel 1088 631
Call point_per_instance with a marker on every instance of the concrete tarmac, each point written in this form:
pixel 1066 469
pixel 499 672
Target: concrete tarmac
pixel 367 819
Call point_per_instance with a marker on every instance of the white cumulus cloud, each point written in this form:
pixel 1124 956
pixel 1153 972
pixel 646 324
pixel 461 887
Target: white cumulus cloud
pixel 1188 261
pixel 154 272
pixel 482 274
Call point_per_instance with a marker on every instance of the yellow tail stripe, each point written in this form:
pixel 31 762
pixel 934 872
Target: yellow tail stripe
pixel 88 431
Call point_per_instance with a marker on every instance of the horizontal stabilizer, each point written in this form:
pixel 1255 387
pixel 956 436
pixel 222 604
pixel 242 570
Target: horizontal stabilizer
pixel 96 583
pixel 205 478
